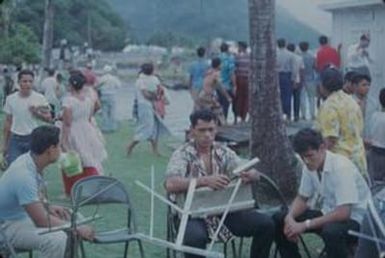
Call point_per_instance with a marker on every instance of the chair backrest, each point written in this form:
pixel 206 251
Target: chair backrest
pixel 267 194
pixel 99 190
pixel 207 202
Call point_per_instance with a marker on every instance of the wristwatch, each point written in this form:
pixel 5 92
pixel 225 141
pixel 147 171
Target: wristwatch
pixel 307 223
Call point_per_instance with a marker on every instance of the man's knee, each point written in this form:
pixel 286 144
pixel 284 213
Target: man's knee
pixel 54 244
pixel 332 233
pixel 196 234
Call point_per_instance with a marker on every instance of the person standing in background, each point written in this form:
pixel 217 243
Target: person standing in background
pixel 227 78
pixel 23 109
pixel 197 71
pixel 242 70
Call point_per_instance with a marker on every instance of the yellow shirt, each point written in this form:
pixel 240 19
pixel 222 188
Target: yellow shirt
pixel 341 117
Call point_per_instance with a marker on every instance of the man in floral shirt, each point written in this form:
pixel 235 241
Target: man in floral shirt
pixel 340 120
pixel 211 164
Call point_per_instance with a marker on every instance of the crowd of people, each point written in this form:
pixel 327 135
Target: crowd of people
pixel 341 156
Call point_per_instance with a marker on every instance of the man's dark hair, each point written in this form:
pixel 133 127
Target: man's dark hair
pixel 382 97
pixel 304 46
pixel 224 47
pixel 25 72
pixel 204 115
pixel 201 51
pixel 307 139
pixel 77 81
pixel 50 71
pixel 281 43
pixel 323 40
pixel 331 79
pixel 147 68
pixel 242 45
pixel 215 62
pixel 349 76
pixel 43 137
pixel 357 78
pixel 291 47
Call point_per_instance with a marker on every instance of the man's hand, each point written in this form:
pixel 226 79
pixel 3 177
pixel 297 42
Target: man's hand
pixel 216 182
pixel 86 232
pixel 249 176
pixel 293 229
pixel 60 212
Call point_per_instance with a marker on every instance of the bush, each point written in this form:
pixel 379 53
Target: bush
pixel 21 46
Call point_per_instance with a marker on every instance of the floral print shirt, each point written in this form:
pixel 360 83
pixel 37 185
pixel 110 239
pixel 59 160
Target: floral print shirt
pixel 341 117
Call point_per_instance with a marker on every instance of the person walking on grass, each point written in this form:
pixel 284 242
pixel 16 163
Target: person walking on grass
pixel 149 125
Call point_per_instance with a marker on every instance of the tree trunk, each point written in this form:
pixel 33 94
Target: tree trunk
pixel 47 33
pixel 269 140
pixel 5 18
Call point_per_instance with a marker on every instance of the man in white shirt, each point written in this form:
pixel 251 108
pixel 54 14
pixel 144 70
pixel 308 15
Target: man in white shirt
pixel 299 67
pixel 339 196
pixel 50 88
pixel 24 208
pixel 286 74
pixel 359 58
pixel 108 85
pixel 23 109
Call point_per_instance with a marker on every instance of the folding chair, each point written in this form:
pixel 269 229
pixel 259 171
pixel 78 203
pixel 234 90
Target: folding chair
pixel 102 190
pixel 172 231
pixel 6 248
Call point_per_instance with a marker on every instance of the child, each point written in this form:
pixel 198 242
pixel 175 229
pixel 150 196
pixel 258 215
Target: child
pixel 376 158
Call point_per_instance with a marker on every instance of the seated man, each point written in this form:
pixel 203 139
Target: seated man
pixel 340 196
pixel 212 163
pixel 23 205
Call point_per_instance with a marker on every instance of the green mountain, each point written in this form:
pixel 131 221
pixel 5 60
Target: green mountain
pixel 200 20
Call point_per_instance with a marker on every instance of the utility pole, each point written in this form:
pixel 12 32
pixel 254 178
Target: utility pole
pixel 47 34
pixel 89 25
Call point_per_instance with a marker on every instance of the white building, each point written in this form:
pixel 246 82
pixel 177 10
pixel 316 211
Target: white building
pixel 352 18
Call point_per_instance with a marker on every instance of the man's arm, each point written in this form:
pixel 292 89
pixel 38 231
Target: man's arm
pixel 6 132
pixel 341 213
pixel 178 184
pixel 40 216
pixel 44 115
pixel 44 219
pixel 298 207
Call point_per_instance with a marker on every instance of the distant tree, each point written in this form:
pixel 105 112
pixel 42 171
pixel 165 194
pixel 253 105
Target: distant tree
pixel 269 140
pixel 108 31
pixel 21 46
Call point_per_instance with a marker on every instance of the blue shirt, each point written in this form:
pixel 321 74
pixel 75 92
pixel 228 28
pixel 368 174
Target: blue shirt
pixel 227 70
pixel 19 186
pixel 197 73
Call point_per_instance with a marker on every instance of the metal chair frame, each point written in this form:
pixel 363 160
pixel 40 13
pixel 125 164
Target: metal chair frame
pixel 99 197
pixel 172 228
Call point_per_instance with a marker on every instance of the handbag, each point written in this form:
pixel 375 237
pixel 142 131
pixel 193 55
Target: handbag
pixel 70 163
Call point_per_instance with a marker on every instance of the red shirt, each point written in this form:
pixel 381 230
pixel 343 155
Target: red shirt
pixel 327 55
pixel 90 77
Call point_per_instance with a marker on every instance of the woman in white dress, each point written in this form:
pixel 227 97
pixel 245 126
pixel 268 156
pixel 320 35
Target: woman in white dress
pixel 78 132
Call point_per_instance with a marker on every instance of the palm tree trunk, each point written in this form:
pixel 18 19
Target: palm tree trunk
pixel 269 140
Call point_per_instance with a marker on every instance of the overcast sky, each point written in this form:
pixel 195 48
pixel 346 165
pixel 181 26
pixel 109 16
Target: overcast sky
pixel 308 12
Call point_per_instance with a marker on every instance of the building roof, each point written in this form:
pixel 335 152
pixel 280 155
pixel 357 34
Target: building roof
pixel 331 5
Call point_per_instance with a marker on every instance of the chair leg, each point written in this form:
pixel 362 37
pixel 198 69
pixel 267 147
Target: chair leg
pixel 306 249
pixel 126 249
pixel 82 250
pixel 30 254
pixel 240 247
pixel 234 249
pixel 141 249
pixel 225 249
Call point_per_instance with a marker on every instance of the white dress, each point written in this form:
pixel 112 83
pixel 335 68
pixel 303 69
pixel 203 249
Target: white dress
pixel 83 136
